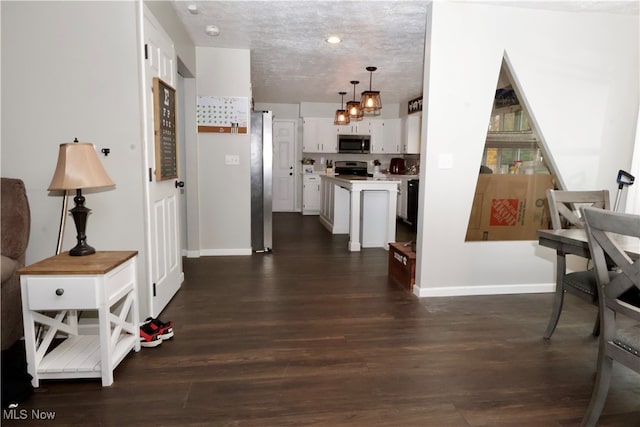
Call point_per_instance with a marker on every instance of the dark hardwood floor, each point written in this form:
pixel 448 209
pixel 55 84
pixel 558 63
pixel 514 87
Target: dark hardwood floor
pixel 315 335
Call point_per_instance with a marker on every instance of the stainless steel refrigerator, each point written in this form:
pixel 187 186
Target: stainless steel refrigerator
pixel 261 181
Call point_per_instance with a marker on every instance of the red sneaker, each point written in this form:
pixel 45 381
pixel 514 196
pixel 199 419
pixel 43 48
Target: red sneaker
pixel 164 330
pixel 149 337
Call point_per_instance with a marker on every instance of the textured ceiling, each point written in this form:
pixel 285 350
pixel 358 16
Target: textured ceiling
pixel 291 62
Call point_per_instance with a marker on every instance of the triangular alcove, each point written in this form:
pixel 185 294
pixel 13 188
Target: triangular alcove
pixel 514 172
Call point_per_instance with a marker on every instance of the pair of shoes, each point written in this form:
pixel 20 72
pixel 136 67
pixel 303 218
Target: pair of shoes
pixel 149 337
pixel 164 330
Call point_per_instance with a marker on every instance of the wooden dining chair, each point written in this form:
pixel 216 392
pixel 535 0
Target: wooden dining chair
pixel 619 298
pixel 564 209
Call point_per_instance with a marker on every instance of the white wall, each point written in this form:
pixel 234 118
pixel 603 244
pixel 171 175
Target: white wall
pixel 224 190
pixel 70 69
pixel 578 72
pixel 633 191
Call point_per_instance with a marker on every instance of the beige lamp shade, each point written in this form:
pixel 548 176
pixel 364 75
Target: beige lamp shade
pixel 79 167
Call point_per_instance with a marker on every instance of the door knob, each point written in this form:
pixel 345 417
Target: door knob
pixel 179 184
pixel 290 167
pixel 290 173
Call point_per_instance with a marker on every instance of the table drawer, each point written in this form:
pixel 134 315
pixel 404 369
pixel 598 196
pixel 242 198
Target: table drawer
pixel 120 280
pixel 76 293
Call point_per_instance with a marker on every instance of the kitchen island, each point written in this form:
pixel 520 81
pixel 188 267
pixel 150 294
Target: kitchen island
pixel 363 207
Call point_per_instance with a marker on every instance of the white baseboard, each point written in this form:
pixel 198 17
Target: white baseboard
pixel 454 291
pixel 331 227
pixel 326 223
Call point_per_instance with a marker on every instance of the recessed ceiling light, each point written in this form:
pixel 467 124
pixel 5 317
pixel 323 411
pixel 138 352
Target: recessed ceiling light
pixel 193 8
pixel 333 39
pixel 212 30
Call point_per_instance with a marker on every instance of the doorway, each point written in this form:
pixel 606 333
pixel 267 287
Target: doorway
pixel 284 170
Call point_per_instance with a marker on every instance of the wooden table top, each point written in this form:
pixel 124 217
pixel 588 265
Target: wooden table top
pixel 64 264
pixel 576 237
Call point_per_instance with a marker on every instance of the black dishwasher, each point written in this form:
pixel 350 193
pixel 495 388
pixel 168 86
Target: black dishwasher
pixel 412 202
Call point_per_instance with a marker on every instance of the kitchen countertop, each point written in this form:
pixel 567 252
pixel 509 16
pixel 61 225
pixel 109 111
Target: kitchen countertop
pixel 383 175
pixel 362 179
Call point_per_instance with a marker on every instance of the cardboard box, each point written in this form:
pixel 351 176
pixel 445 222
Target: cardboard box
pixel 509 207
pixel 402 265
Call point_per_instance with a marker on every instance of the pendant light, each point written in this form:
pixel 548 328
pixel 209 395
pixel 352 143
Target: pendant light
pixel 342 115
pixel 370 101
pixel 353 107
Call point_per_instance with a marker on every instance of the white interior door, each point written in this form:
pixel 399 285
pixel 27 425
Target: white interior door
pixel 284 180
pixel 164 264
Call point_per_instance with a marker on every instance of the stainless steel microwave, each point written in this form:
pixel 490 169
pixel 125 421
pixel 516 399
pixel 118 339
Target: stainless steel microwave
pixel 360 144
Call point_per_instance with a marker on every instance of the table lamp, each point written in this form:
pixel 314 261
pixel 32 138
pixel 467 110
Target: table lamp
pixel 79 167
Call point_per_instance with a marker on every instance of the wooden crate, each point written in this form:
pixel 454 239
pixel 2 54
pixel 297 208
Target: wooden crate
pixel 402 264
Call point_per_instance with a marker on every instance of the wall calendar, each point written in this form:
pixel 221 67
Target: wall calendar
pixel 222 114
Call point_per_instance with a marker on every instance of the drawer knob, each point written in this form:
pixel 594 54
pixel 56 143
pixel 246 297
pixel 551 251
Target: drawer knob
pixel 59 291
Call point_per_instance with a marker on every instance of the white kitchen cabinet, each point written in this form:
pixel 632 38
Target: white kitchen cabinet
pixel 412 134
pixel 319 135
pixel 334 207
pixel 327 138
pixel 377 136
pixel 354 128
pixel 385 136
pixel 311 194
pixel 392 135
pixel 309 136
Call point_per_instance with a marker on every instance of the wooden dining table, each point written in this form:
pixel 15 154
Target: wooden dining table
pixel 574 241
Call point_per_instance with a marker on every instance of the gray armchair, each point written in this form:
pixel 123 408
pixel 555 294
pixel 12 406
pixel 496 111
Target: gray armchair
pixel 618 298
pixel 564 210
pixel 16 221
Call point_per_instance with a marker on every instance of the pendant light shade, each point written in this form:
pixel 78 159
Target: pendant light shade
pixel 353 107
pixel 342 115
pixel 370 101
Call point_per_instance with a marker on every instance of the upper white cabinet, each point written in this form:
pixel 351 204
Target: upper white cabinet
pixel 319 135
pixel 412 134
pixel 354 128
pixel 385 136
pixel 392 136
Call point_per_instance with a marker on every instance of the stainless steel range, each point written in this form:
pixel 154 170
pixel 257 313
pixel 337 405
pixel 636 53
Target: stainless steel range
pixel 356 168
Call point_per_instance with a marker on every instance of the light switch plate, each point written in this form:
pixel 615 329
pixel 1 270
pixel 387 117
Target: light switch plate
pixel 231 159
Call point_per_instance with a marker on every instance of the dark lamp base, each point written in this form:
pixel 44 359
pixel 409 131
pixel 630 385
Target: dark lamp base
pixel 80 213
pixel 81 250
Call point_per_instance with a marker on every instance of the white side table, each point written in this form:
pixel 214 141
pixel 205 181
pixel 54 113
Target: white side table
pixel 54 289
